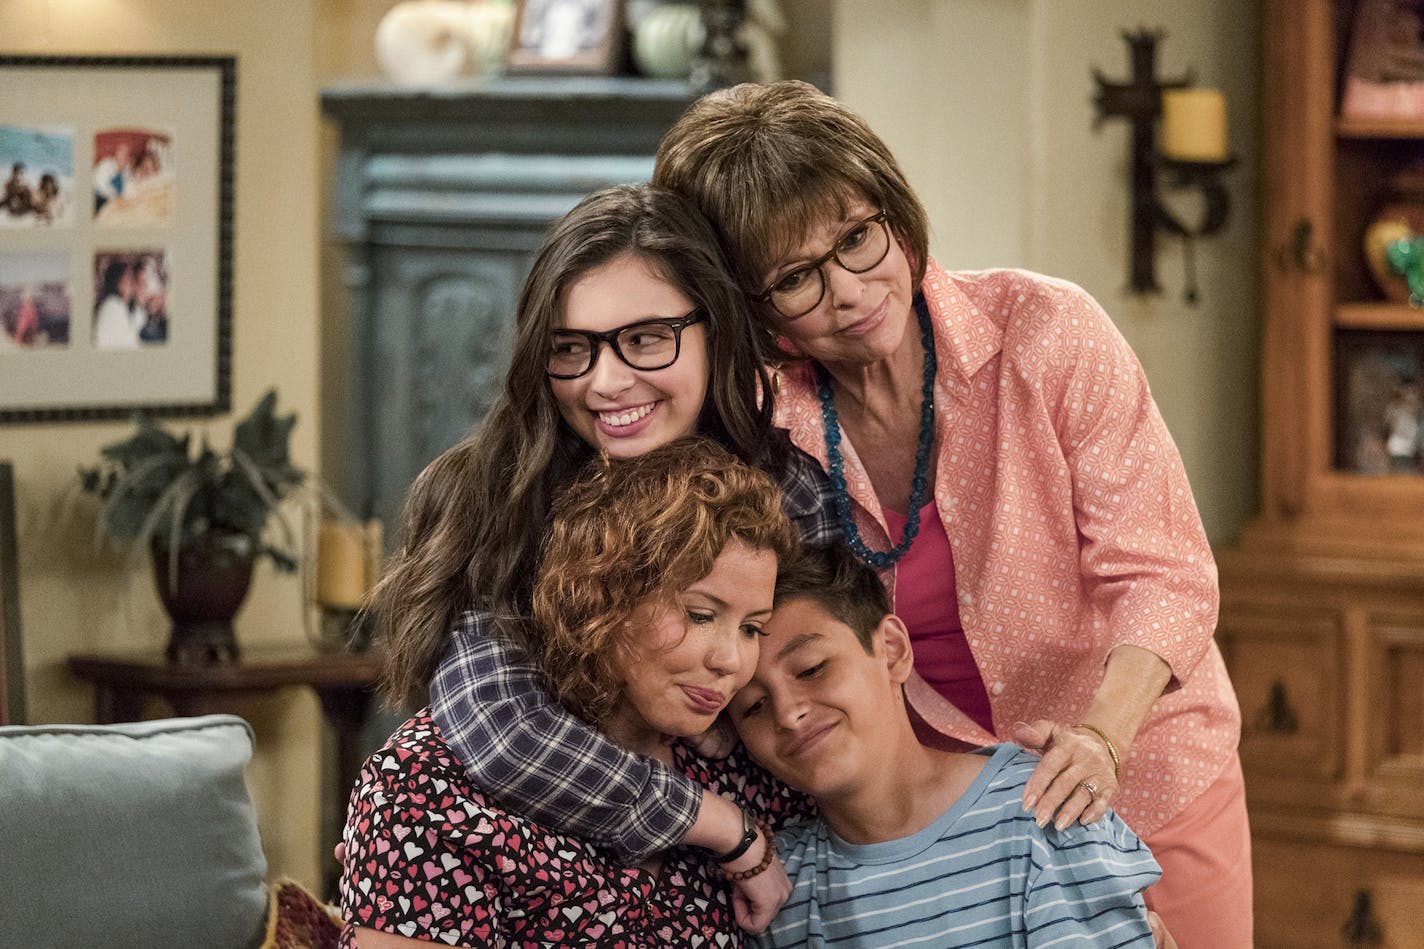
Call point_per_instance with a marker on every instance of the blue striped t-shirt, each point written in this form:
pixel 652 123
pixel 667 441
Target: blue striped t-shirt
pixel 983 874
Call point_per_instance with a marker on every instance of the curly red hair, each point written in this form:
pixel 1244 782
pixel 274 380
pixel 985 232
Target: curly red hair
pixel 633 533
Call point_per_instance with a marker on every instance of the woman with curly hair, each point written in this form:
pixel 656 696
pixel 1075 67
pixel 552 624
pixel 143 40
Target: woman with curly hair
pixel 656 577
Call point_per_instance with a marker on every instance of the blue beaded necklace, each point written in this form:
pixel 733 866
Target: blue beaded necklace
pixel 919 486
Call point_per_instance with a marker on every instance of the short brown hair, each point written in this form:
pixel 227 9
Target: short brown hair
pixel 846 589
pixel 635 532
pixel 767 163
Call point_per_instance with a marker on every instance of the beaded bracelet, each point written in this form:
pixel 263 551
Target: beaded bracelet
pixel 766 857
pixel 1112 751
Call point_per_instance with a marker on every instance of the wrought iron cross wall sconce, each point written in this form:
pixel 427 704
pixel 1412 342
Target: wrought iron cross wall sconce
pixel 1192 155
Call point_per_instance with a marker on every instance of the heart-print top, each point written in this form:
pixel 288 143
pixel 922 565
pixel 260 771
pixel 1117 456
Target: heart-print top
pixel 431 857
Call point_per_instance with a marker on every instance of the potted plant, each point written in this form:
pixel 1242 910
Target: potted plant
pixel 203 515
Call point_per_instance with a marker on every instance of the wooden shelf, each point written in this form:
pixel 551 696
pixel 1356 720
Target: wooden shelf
pixel 1322 601
pixel 1379 316
pixel 1380 128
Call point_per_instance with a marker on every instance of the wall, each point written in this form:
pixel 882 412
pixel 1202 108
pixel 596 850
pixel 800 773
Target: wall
pixel 988 104
pixel 75 599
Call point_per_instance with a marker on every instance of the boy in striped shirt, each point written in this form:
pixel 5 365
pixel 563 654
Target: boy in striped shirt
pixel 915 846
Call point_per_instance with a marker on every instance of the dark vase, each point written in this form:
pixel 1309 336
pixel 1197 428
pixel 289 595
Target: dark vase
pixel 214 571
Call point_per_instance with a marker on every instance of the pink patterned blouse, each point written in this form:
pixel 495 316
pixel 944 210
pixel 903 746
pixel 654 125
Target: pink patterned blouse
pixel 430 857
pixel 1072 526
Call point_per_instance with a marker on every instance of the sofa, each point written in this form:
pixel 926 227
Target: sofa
pixel 141 836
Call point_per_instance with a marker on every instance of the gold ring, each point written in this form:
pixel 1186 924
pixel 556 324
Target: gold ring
pixel 1090 788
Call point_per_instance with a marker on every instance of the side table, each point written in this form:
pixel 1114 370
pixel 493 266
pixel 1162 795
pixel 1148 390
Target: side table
pixel 344 683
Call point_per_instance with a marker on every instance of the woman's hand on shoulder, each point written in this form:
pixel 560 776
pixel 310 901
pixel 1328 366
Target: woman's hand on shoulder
pixel 1161 939
pixel 1075 781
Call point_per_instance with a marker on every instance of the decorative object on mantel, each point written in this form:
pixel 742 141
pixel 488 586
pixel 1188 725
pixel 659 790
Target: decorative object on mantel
pixel 666 39
pixel 1394 239
pixel 422 42
pixel 760 35
pixel 1193 152
pixel 722 60
pixel 203 516
pixel 567 36
pixel 669 45
pixel 1384 72
pixel 488 25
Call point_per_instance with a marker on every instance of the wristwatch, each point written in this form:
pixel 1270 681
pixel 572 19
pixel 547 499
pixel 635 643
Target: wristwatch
pixel 749 834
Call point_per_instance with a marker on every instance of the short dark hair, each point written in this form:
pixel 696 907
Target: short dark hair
pixel 832 578
pixel 768 163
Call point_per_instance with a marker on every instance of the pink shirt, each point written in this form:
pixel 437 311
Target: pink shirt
pixel 1072 525
pixel 925 599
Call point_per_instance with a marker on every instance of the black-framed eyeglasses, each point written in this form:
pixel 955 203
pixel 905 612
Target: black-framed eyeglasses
pixel 861 247
pixel 646 344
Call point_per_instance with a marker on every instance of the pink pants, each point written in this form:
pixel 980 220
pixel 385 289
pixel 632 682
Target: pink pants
pixel 1204 895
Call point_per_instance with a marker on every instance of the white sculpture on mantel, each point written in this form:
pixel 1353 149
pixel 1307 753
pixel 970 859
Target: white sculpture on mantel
pixel 421 42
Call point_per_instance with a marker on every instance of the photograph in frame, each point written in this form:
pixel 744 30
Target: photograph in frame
pixel 133 178
pixel 131 303
pixel 38 167
pixel 1380 424
pixel 567 36
pixel 143 152
pixel 35 312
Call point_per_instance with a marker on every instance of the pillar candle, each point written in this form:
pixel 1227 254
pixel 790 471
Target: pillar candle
pixel 341 564
pixel 1194 124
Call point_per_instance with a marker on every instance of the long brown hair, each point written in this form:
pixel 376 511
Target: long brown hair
pixel 631 534
pixel 767 163
pixel 475 517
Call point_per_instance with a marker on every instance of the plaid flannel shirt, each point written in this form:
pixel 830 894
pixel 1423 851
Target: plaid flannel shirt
pixel 532 756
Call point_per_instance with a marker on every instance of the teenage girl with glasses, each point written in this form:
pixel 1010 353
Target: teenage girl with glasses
pixel 626 311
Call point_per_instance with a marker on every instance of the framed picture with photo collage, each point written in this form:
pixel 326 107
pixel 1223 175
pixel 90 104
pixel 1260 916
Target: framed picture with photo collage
pixel 115 236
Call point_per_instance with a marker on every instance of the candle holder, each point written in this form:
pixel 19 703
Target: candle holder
pixel 1140 102
pixel 340 569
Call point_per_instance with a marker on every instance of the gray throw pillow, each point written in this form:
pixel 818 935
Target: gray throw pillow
pixel 133 835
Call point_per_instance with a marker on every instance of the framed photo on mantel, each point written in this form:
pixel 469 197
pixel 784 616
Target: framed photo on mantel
pixel 567 36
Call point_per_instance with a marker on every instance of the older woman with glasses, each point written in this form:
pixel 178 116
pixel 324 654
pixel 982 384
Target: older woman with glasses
pixel 993 447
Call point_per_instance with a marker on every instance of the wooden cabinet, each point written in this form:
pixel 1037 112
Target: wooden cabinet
pixel 1322 620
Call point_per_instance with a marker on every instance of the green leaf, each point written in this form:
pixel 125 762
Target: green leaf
pixel 147 442
pixel 263 436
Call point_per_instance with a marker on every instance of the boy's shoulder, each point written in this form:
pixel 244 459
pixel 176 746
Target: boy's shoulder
pixel 993 795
